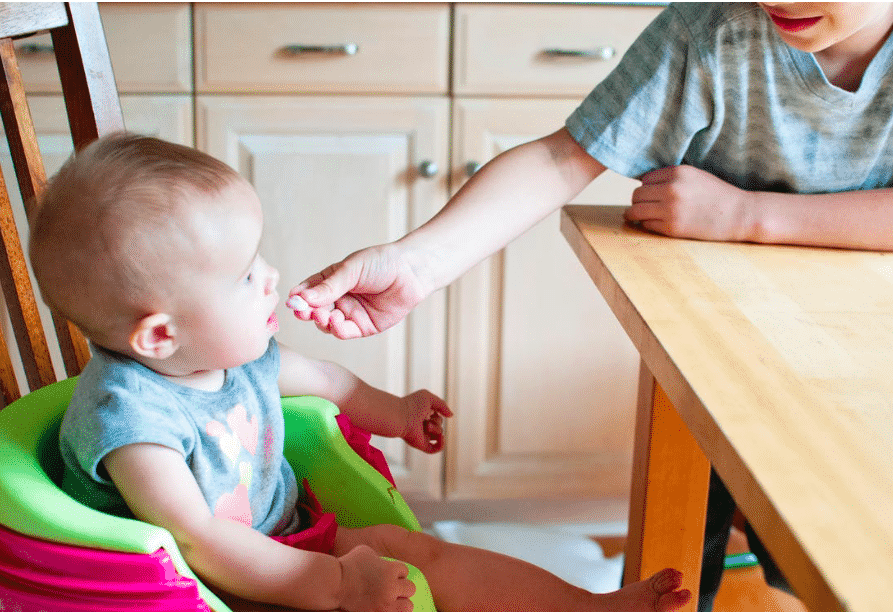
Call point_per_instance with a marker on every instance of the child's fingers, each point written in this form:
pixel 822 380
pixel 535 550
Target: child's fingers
pixel 441 407
pixel 407 587
pixel 649 193
pixel 640 212
pixel 327 286
pixel 661 175
pixel 658 227
pixel 433 437
pixel 320 316
pixel 355 312
pixel 341 327
pixel 297 303
pixel 433 427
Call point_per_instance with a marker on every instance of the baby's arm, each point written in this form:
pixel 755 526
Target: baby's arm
pixel 160 489
pixel 686 202
pixel 417 417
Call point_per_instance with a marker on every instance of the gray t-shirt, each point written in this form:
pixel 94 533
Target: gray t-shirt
pixel 232 439
pixel 715 87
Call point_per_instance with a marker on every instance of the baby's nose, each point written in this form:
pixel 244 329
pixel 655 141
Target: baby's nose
pixel 272 280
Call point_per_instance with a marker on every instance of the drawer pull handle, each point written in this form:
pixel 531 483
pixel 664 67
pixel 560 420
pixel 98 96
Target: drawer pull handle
pixel 596 53
pixel 428 169
pixel 345 49
pixel 36 49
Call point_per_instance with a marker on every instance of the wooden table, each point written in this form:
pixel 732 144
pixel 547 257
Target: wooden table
pixel 776 364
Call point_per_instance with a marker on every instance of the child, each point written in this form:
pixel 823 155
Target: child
pixel 767 123
pixel 152 250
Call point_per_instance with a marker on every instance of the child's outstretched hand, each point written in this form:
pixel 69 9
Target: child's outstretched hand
pixel 362 295
pixel 372 584
pixel 424 420
pixel 686 202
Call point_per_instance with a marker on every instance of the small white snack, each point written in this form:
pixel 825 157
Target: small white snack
pixel 297 303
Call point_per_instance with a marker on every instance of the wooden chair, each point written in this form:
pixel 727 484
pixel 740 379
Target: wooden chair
pixel 92 105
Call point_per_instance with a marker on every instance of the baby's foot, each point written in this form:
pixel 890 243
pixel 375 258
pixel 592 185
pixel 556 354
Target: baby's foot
pixel 660 593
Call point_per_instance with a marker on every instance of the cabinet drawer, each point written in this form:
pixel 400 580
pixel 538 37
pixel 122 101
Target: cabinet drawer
pixel 300 48
pixel 150 46
pixel 542 50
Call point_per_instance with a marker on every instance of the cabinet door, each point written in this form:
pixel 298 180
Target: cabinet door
pixel 541 376
pixel 335 175
pixel 150 44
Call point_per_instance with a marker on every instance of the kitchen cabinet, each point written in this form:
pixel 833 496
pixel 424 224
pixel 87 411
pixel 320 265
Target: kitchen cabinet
pixel 542 377
pixel 355 123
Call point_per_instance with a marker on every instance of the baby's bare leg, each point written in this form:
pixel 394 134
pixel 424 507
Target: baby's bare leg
pixel 467 579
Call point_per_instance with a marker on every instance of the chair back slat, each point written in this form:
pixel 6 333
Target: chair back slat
pixel 16 20
pixel 20 302
pixel 72 345
pixel 88 83
pixel 93 109
pixel 31 175
pixel 9 386
pixel 19 127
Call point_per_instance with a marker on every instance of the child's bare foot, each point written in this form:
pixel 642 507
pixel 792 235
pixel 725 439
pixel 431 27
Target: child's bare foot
pixel 660 593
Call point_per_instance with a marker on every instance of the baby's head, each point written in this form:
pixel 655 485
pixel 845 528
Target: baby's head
pixel 130 226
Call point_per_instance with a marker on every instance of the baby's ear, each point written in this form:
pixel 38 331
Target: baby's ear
pixel 155 337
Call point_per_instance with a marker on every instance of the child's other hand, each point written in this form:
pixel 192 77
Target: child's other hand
pixel 424 420
pixel 372 584
pixel 686 202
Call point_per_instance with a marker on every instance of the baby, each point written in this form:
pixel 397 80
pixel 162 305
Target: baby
pixel 151 249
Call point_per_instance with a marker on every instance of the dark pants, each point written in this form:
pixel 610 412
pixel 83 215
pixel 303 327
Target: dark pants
pixel 720 512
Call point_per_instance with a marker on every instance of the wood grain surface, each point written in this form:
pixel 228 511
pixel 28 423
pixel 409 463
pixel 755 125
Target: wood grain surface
pixel 777 358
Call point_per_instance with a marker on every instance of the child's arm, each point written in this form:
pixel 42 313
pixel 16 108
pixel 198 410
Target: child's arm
pixel 506 197
pixel 685 202
pixel 160 489
pixel 417 417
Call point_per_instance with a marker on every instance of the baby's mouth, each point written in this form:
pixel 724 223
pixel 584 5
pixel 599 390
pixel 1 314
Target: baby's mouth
pixel 273 323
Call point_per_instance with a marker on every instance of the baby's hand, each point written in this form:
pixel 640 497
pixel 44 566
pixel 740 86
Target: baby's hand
pixel 372 584
pixel 424 420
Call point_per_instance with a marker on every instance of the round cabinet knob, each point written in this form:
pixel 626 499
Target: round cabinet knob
pixel 472 167
pixel 428 168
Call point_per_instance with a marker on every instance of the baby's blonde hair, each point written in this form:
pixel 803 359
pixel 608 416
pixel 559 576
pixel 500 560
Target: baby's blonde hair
pixel 105 227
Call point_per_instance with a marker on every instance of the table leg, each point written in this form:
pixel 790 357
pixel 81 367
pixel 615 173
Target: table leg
pixel 668 500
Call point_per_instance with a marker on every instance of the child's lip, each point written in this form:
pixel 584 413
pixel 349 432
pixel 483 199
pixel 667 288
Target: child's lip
pixel 793 24
pixel 273 323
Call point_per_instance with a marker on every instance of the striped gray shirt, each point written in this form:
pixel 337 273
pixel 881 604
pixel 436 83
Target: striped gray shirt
pixel 715 87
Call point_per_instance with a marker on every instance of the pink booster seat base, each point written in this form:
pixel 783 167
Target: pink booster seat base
pixel 40 576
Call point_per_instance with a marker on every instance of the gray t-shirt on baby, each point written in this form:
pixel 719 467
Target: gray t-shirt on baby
pixel 715 87
pixel 232 439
